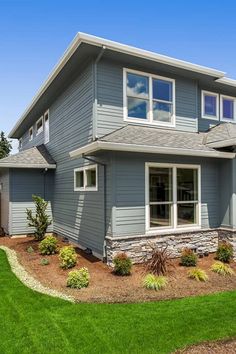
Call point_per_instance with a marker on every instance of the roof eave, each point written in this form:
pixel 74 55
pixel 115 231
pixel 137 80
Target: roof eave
pixel 150 149
pixel 28 166
pixel 97 41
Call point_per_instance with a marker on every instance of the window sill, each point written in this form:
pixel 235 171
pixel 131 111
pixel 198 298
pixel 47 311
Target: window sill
pixel 141 121
pixel 158 231
pixel 211 118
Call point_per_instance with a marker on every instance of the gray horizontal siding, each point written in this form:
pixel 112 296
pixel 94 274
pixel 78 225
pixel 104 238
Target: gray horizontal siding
pixel 4 195
pixel 110 99
pixel 129 184
pixel 23 184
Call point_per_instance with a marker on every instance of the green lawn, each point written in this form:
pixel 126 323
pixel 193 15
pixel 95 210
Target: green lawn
pixel 35 323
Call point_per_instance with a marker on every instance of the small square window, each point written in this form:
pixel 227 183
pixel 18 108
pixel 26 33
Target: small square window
pixel 227 111
pixel 31 134
pixel 85 178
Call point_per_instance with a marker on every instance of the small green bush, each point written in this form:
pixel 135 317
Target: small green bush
pixel 188 258
pixel 48 245
pixel 67 257
pixel 153 282
pixel 198 274
pixel 224 252
pixel 222 268
pixel 78 278
pixel 44 261
pixel 122 264
pixel 30 249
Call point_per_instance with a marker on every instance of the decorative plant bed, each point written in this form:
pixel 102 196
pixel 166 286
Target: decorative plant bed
pixel 104 286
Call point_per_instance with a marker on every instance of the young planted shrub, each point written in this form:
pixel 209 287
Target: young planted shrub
pixel 198 274
pixel 40 221
pixel 44 261
pixel 224 252
pixel 222 268
pixel 67 257
pixel 78 278
pixel 30 249
pixel 122 264
pixel 159 262
pixel 188 258
pixel 48 245
pixel 153 282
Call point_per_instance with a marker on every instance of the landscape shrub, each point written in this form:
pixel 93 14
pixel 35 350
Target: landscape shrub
pixel 222 268
pixel 153 282
pixel 198 274
pixel 30 249
pixel 44 261
pixel 78 278
pixel 158 260
pixel 224 252
pixel 48 245
pixel 188 258
pixel 40 221
pixel 67 257
pixel 122 264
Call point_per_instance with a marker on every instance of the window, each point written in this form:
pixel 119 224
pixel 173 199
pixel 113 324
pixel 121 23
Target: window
pixel 149 99
pixel 31 134
pixel 46 127
pixel 20 144
pixel 210 105
pixel 39 126
pixel 85 178
pixel 172 196
pixel 227 108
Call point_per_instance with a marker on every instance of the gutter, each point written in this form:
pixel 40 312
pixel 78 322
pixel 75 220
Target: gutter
pixel 10 165
pixel 102 145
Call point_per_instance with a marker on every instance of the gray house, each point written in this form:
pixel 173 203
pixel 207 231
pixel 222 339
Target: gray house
pixel 129 147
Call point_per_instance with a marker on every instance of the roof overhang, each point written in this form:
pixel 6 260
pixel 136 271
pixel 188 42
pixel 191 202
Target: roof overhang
pixel 102 145
pixel 117 47
pixel 222 143
pixel 38 166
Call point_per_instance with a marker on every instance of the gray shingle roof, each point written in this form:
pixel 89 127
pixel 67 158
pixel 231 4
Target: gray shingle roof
pixel 140 135
pixel 222 133
pixel 36 157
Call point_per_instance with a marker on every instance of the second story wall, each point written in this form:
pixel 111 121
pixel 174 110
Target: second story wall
pixel 110 97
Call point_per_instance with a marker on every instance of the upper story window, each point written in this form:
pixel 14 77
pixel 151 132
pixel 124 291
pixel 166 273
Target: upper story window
pixel 85 178
pixel 39 126
pixel 31 134
pixel 20 144
pixel 210 105
pixel 148 98
pixel 227 108
pixel 46 127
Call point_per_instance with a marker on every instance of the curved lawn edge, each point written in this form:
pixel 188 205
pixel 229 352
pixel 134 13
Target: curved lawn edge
pixel 28 280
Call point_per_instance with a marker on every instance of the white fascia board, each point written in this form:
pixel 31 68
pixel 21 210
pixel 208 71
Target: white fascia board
pixel 11 165
pixel 102 145
pixel 123 48
pixel 226 81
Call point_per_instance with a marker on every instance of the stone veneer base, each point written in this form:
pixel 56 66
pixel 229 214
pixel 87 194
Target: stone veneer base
pixel 137 247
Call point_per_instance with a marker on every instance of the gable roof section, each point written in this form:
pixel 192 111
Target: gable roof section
pixel 36 157
pixel 222 135
pixel 134 138
pixel 86 39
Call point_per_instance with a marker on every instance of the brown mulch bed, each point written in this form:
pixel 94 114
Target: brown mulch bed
pixel 106 287
pixel 218 347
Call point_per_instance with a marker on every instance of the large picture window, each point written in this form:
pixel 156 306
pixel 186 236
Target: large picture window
pixel 148 98
pixel 173 196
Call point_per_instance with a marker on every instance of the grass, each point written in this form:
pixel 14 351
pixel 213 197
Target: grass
pixel 34 323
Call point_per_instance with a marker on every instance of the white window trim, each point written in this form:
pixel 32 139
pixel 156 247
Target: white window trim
pixel 221 108
pixel 214 94
pixel 46 113
pixel 149 120
pixel 168 229
pixel 84 188
pixel 31 136
pixel 41 129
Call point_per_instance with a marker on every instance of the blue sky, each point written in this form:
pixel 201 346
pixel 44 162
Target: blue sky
pixel 34 34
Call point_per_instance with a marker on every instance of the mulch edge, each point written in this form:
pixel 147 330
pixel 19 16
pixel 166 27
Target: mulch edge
pixel 28 280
